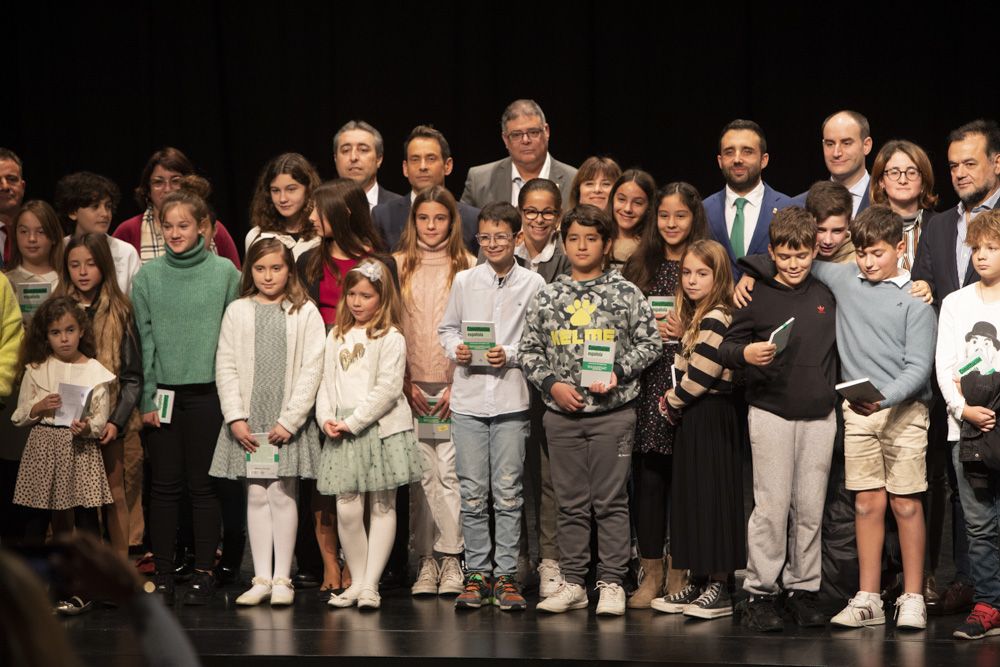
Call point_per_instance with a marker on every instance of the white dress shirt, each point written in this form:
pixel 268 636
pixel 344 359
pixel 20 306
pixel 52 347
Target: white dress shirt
pixel 517 182
pixel 859 190
pixel 372 195
pixel 751 212
pixel 479 295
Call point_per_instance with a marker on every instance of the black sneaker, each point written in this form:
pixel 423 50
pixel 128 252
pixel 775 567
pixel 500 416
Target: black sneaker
pixel 202 588
pixel 183 564
pixel 761 615
pixel 803 608
pixel 679 601
pixel 165 588
pixel 715 602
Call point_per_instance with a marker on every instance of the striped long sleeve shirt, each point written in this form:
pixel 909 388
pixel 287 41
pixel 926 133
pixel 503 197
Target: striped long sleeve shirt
pixel 703 374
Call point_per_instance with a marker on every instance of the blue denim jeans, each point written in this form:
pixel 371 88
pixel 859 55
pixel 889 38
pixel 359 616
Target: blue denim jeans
pixel 982 526
pixel 489 454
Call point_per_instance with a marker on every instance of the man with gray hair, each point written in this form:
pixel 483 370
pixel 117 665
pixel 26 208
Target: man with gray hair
pixel 526 136
pixel 358 150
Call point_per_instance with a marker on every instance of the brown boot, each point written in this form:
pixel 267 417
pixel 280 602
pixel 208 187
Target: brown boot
pixel 651 586
pixel 676 579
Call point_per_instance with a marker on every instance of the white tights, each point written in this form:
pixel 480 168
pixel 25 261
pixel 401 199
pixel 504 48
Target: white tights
pixel 272 521
pixel 366 554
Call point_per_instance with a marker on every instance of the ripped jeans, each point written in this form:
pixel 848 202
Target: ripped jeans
pixel 489 456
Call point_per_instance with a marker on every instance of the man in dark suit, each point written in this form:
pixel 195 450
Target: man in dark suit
pixel 740 214
pixel 358 150
pixel 526 136
pixel 847 141
pixel 943 266
pixel 942 263
pixel 426 162
pixel 11 195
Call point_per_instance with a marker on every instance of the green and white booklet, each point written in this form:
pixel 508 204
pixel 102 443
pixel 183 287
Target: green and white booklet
pixel 480 337
pixel 779 337
pixel 661 305
pixel 262 464
pixel 432 427
pixel 598 362
pixel 30 296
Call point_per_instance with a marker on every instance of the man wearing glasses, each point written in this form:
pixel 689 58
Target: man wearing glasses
pixel 526 136
pixel 11 194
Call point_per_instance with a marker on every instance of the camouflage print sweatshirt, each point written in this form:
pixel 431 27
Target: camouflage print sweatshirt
pixel 565 313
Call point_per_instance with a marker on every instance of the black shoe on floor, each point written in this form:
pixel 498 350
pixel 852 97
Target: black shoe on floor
pixel 803 607
pixel 202 588
pixel 306 580
pixel 392 579
pixel 184 565
pixel 761 615
pixel 165 588
pixel 226 575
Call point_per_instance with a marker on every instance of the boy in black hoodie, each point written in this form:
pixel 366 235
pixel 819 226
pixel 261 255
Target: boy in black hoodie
pixel 792 424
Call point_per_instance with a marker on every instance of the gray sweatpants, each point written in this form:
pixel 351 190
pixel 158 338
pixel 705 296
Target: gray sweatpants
pixel 791 465
pixel 590 458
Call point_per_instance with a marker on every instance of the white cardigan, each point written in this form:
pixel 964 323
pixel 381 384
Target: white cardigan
pixel 234 362
pixel 383 400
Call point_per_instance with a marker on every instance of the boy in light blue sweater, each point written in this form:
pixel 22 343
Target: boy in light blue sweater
pixel 888 336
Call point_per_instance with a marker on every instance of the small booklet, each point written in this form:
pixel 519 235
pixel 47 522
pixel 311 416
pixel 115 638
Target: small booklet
pixel 432 427
pixel 75 400
pixel 262 464
pixel 661 305
pixel 30 296
pixel 598 362
pixel 165 404
pixel 480 337
pixel 976 363
pixel 860 391
pixel 779 337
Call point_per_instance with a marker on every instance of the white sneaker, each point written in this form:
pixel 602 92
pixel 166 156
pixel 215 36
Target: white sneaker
pixel 282 592
pixel 451 581
pixel 612 600
pixel 567 596
pixel 911 612
pixel 862 610
pixel 550 577
pixel 260 591
pixel 427 578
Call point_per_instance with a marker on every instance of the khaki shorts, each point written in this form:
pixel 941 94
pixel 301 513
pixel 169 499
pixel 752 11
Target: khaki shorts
pixel 887 449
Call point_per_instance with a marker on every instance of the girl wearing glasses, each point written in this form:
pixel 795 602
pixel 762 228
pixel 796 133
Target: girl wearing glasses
pixel 431 253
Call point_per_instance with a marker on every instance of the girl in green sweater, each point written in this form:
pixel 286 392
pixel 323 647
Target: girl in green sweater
pixel 179 299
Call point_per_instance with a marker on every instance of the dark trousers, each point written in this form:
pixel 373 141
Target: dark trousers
pixel 651 485
pixel 183 450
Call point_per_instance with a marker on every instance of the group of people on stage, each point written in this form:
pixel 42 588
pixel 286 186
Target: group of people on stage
pixel 578 339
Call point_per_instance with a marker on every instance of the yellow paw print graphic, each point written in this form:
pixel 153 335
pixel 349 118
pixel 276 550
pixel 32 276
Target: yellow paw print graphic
pixel 580 310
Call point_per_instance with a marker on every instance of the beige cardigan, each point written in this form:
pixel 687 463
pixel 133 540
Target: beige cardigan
pixel 234 362
pixel 383 401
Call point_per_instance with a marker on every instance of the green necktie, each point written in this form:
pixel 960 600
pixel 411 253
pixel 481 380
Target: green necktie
pixel 736 237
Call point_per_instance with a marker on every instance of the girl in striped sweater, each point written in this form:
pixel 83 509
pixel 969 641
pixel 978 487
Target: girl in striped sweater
pixel 708 535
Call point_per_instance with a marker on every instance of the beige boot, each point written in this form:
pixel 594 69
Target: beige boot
pixel 676 579
pixel 651 586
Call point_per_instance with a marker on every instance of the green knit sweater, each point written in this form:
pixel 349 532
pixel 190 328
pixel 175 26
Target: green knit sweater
pixel 179 301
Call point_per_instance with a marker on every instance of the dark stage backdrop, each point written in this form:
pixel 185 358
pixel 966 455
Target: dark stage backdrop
pixel 99 86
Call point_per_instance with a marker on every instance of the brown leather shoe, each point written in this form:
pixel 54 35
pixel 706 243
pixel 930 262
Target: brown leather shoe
pixel 931 597
pixel 957 599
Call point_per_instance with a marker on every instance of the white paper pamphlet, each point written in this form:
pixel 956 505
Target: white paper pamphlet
pixel 75 399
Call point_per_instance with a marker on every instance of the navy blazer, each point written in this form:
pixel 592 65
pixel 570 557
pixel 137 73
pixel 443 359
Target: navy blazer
pixel 390 220
pixel 385 195
pixel 936 262
pixel 715 210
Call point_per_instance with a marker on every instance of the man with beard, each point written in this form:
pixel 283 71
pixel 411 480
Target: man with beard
pixel 942 263
pixel 740 214
pixel 11 194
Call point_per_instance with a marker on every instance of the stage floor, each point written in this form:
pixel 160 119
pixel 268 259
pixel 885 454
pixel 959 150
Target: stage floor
pixel 428 631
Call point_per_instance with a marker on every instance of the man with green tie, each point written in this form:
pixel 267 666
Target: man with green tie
pixel 739 215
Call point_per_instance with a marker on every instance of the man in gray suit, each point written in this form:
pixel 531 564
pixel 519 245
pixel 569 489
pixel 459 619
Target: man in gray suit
pixel 358 150
pixel 526 136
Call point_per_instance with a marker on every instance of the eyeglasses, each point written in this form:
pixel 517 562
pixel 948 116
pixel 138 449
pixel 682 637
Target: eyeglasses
pixel 548 215
pixel 911 173
pixel 162 183
pixel 503 238
pixel 518 135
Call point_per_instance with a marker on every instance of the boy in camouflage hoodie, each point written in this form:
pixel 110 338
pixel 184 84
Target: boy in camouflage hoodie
pixel 589 429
